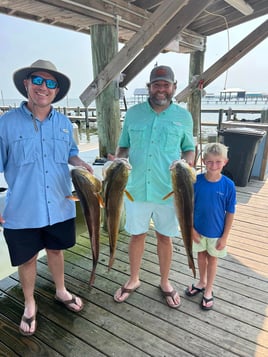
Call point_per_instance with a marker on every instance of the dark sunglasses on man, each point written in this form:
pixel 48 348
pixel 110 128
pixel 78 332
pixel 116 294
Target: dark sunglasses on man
pixel 38 81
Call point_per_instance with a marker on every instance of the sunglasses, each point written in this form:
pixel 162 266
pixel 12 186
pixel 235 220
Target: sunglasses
pixel 38 81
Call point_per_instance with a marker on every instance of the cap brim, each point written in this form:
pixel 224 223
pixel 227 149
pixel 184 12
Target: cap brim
pixel 162 79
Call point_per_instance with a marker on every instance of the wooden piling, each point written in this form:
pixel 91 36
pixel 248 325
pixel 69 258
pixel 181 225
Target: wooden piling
pixel 104 42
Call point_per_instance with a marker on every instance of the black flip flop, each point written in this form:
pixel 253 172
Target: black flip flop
pixel 206 300
pixel 195 290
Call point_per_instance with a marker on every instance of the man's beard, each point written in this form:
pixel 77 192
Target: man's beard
pixel 161 102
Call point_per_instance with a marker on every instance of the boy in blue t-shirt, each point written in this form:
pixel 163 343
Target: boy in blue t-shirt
pixel 214 208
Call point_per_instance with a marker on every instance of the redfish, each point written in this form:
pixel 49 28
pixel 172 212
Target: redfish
pixel 88 189
pixel 115 181
pixel 183 177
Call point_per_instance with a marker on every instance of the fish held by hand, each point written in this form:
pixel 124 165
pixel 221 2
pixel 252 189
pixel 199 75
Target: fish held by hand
pixel 114 188
pixel 88 189
pixel 183 177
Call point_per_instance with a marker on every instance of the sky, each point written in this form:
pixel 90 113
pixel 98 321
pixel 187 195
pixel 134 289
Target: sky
pixel 23 42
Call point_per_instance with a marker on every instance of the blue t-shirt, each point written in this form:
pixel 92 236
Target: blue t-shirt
pixel 155 140
pixel 35 166
pixel 211 202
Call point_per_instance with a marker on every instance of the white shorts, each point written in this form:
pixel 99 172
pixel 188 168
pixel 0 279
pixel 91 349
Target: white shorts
pixel 140 214
pixel 209 245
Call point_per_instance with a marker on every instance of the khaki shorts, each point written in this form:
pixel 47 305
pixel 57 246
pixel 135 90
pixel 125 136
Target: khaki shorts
pixel 209 245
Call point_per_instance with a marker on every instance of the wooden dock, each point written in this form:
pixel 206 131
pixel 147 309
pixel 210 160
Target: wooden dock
pixel 145 325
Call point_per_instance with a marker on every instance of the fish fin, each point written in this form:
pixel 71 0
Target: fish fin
pixel 129 196
pixel 72 198
pixel 193 174
pixel 100 199
pixel 92 278
pixel 168 195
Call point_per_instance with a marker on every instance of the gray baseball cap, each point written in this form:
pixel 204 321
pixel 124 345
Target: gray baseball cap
pixel 162 73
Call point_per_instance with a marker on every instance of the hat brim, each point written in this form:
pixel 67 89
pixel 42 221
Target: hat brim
pixel 23 73
pixel 162 79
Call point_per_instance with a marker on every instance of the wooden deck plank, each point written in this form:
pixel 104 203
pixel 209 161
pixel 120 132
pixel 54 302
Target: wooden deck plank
pixel 144 325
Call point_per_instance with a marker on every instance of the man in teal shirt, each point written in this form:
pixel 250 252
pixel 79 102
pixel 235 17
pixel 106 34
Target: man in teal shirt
pixel 155 134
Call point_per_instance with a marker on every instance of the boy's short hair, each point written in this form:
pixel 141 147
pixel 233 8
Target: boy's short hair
pixel 215 149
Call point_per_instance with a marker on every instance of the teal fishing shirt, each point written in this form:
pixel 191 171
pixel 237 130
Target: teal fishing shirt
pixel 35 166
pixel 155 140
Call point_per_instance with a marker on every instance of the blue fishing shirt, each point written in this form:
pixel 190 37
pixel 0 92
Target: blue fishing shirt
pixel 155 140
pixel 211 202
pixel 35 166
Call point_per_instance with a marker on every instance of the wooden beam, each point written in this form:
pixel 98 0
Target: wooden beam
pixel 241 6
pixel 152 26
pixel 186 41
pixel 226 61
pixel 176 25
pixel 104 11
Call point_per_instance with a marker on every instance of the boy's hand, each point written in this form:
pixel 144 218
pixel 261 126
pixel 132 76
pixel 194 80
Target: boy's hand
pixel 196 236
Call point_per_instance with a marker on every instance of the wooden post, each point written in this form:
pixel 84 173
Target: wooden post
pixel 104 43
pixel 229 114
pixel 194 100
pixel 220 119
pixel 86 117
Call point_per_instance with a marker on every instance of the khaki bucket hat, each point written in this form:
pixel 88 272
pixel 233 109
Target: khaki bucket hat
pixel 44 66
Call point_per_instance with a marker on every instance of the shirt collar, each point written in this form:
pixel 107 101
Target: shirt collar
pixel 23 106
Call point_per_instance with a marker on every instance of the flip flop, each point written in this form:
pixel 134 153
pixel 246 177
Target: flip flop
pixel 171 294
pixel 68 303
pixel 125 291
pixel 194 291
pixel 29 321
pixel 206 300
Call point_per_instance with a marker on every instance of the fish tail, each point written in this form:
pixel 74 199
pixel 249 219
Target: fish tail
pixel 92 278
pixel 192 266
pixel 111 262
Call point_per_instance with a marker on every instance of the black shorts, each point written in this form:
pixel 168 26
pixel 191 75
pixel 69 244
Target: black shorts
pixel 23 244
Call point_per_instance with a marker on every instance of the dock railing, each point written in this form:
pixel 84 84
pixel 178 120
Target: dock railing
pixel 79 115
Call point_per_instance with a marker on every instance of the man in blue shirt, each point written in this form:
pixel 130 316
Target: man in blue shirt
pixel 36 146
pixel 155 134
